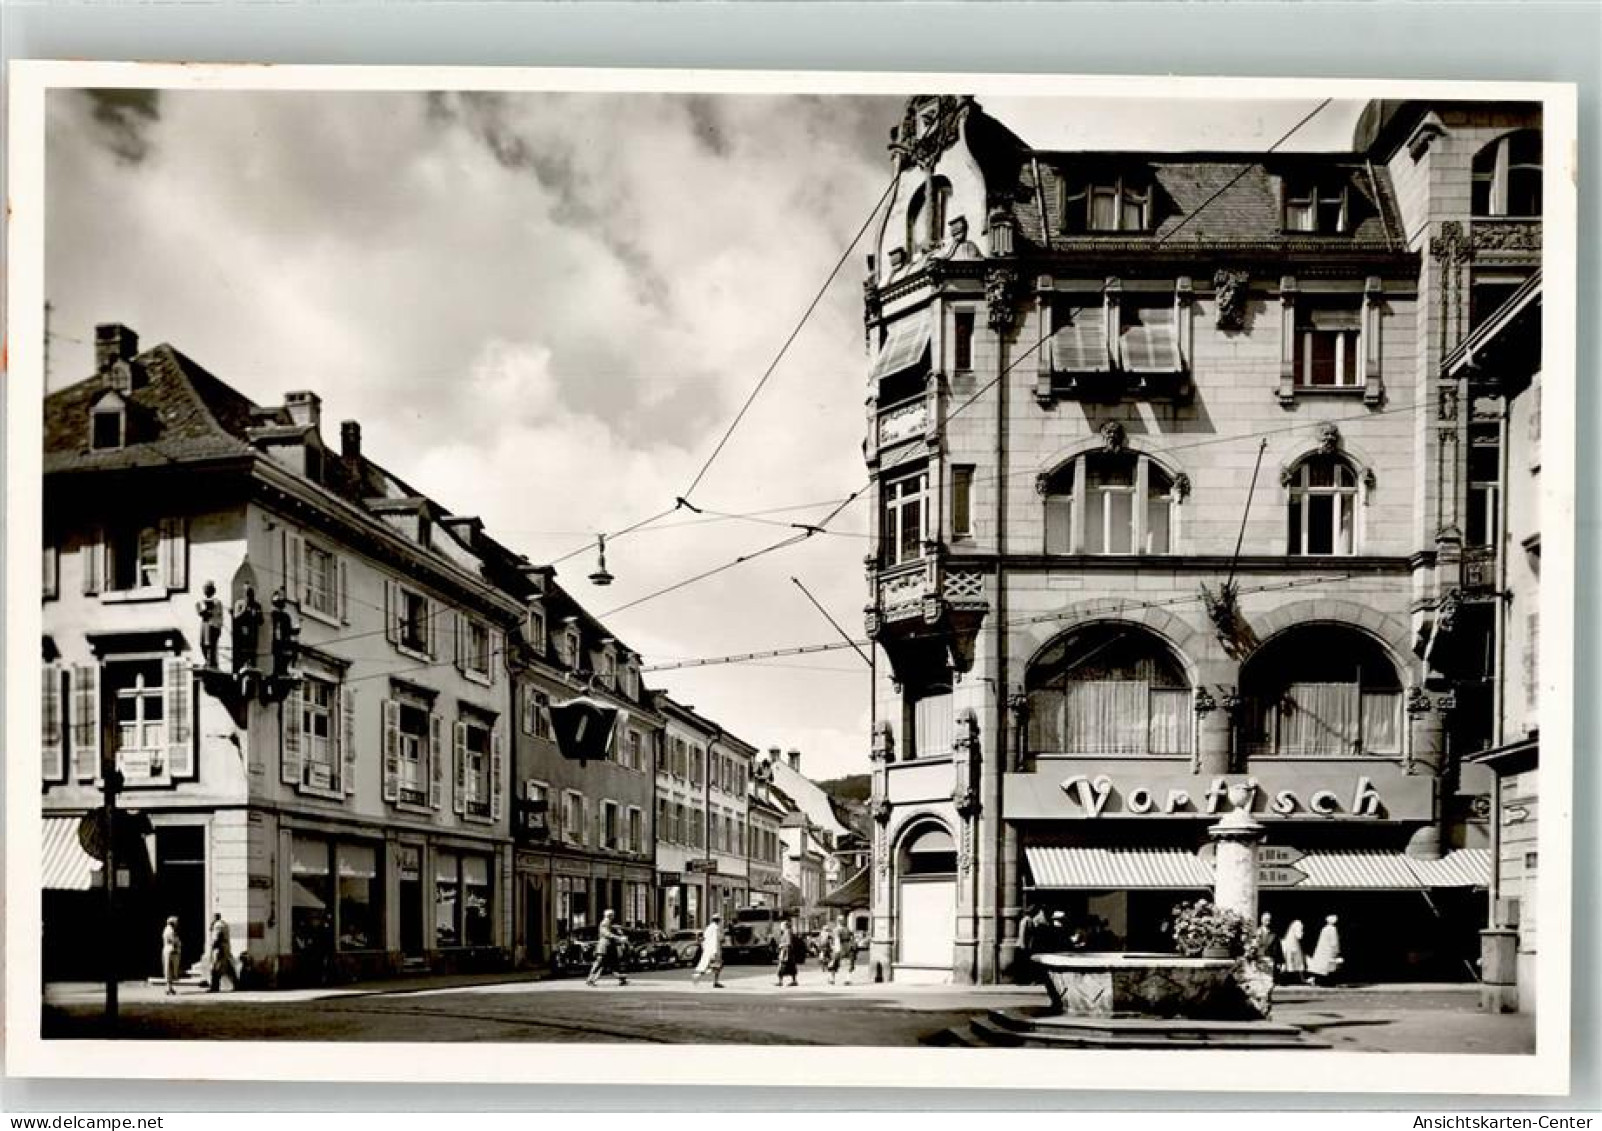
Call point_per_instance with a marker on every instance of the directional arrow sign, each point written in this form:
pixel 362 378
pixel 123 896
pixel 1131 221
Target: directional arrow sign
pixel 1278 855
pixel 1273 876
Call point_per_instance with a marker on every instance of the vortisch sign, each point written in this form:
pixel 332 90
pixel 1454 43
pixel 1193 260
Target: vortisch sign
pixel 1294 791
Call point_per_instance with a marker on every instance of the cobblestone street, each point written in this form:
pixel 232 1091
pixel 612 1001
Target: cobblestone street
pixel 665 1007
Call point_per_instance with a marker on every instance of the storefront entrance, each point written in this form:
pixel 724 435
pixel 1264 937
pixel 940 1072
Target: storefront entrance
pixel 409 870
pixel 181 884
pixel 926 900
pixel 534 911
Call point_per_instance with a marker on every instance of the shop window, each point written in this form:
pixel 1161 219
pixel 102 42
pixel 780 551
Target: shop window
pixel 905 519
pixel 1507 177
pixel 312 898
pixel 1321 690
pixel 1323 507
pixel 1109 689
pixel 360 921
pixel 462 900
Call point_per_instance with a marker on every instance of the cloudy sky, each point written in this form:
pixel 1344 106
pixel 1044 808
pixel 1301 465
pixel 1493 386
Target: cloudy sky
pixel 545 309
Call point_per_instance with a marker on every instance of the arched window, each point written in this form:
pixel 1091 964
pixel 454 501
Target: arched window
pixel 1110 503
pixel 929 851
pixel 926 221
pixel 1323 506
pixel 1507 176
pixel 1321 690
pixel 1109 689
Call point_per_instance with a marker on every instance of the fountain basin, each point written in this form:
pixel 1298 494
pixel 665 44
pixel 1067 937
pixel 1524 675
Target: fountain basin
pixel 1108 984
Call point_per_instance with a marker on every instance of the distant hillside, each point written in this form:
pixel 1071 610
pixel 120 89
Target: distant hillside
pixel 854 787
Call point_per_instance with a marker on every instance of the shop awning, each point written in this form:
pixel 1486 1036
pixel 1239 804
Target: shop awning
pixel 1357 870
pixel 1462 868
pixel 852 893
pixel 64 865
pixel 1113 869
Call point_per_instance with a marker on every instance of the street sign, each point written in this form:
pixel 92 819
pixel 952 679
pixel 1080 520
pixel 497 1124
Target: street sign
pixel 1270 876
pixel 708 865
pixel 1278 855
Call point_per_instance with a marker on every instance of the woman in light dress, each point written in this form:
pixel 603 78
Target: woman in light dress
pixel 1291 953
pixel 1326 958
pixel 711 953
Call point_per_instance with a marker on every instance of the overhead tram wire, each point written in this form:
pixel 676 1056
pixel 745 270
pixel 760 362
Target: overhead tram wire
pixel 1115 607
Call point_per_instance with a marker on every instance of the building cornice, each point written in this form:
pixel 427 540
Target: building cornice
pixel 1198 563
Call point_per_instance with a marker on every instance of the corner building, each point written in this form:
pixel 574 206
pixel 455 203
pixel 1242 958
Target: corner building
pixel 1177 490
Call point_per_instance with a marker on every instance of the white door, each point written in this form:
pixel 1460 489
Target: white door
pixel 928 911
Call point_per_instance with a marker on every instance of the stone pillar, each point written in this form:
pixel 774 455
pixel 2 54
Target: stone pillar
pixel 1212 734
pixel 1235 840
pixel 1427 755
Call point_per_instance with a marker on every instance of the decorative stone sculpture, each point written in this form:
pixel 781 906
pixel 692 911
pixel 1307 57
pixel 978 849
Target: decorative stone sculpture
pixel 211 624
pixel 247 631
pixel 1230 289
pixel 284 632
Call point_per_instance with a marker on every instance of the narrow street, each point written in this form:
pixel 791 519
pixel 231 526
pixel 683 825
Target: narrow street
pixel 664 1007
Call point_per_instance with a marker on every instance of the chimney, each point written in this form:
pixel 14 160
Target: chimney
pixel 305 407
pixel 114 342
pixel 795 760
pixel 350 440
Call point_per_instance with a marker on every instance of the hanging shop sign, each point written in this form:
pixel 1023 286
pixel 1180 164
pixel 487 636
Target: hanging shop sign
pixel 1294 791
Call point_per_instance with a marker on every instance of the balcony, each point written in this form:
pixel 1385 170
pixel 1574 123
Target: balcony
pixel 926 614
pixel 905 421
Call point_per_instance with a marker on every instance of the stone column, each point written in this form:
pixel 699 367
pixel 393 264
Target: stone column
pixel 1427 755
pixel 1235 840
pixel 1212 734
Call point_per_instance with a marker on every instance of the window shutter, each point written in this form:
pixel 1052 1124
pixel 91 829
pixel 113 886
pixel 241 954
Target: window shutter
pixel 391 714
pixel 347 739
pixel 497 643
pixel 459 748
pixel 431 618
pixel 436 761
pixel 86 721
pixel 294 555
pixel 50 565
pixel 52 745
pixel 174 554
pixel 289 725
pixel 526 719
pixel 93 556
pixel 497 772
pixel 392 611
pixel 342 593
pixel 458 624
pixel 180 721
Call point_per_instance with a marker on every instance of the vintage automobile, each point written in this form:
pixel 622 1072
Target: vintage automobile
pixel 575 953
pixel 649 949
pixel 686 947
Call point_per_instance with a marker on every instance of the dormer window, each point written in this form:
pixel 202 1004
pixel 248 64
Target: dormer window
pixel 1107 203
pixel 108 424
pixel 535 630
pixel 1317 208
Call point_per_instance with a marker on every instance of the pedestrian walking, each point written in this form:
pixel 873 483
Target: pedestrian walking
pixel 850 954
pixel 835 941
pixel 1031 938
pixel 790 942
pixel 1290 948
pixel 172 953
pixel 711 953
pixel 609 943
pixel 1326 960
pixel 222 955
pixel 1267 942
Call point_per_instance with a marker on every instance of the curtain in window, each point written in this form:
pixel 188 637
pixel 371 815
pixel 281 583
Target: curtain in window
pixel 1170 721
pixel 1319 719
pixel 1382 722
pixel 1106 717
pixel 935 729
pixel 1045 720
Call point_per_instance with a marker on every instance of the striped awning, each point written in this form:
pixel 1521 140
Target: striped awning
pixel 64 865
pixel 907 345
pixel 852 893
pixel 1462 868
pixel 1112 869
pixel 1357 870
pixel 1081 346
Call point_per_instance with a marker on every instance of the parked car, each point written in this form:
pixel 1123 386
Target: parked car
pixel 686 947
pixel 649 949
pixel 576 952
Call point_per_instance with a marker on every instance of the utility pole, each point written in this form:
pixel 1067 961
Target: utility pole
pixel 111 785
